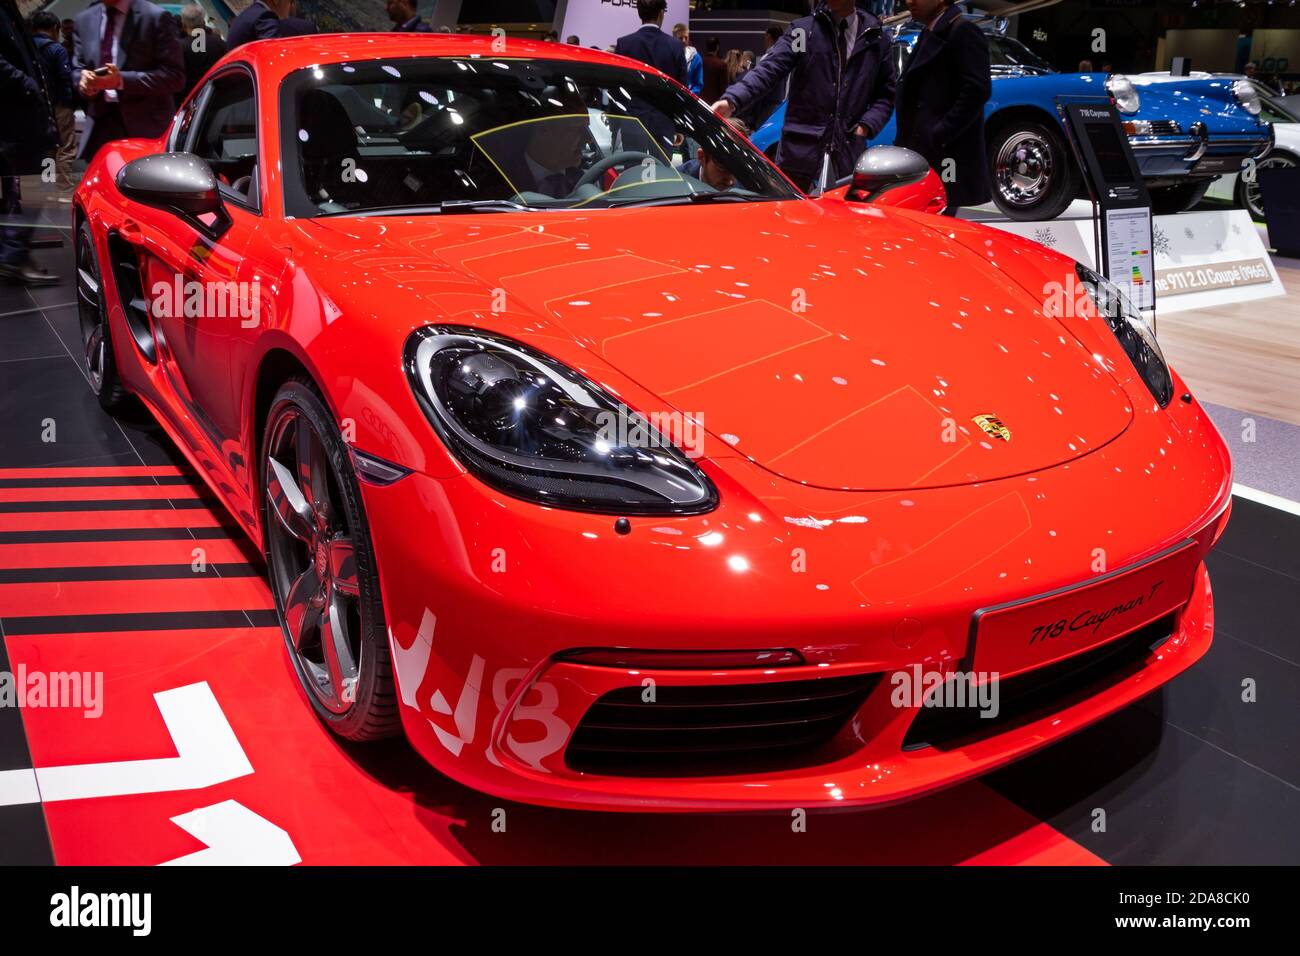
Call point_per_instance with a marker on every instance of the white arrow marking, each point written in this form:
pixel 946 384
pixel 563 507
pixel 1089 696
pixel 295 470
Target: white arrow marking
pixel 207 753
pixel 234 836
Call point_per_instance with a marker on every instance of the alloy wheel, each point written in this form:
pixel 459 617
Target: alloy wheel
pixel 313 567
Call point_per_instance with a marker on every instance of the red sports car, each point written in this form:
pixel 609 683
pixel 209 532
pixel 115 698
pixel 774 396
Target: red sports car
pixel 616 472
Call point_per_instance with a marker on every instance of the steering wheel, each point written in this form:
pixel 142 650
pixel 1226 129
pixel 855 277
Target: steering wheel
pixel 624 158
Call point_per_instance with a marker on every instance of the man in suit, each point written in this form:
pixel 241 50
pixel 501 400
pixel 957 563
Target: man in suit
pixel 941 97
pixel 651 45
pixel 201 45
pixel 260 20
pixel 655 48
pixel 27 135
pixel 404 17
pixel 137 47
pixel 841 80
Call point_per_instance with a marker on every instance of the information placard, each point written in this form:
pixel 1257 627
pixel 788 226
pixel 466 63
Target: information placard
pixel 1126 242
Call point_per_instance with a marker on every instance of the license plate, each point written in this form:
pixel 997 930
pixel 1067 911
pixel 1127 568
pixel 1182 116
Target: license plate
pixel 1218 164
pixel 1016 637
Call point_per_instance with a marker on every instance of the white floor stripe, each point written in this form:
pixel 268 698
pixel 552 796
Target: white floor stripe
pixel 1264 498
pixel 18 786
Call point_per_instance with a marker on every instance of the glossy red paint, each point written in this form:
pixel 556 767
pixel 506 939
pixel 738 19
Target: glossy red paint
pixel 835 355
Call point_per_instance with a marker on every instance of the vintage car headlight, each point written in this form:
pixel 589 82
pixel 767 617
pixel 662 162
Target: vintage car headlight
pixel 535 429
pixel 1132 330
pixel 1124 92
pixel 1246 95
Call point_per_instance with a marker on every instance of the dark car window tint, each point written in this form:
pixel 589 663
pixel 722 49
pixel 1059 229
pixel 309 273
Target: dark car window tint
pixel 227 135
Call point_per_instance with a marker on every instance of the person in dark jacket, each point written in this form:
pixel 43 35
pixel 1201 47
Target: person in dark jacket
pixel 841 89
pixel 57 65
pixel 651 45
pixel 138 44
pixel 941 97
pixel 714 69
pixel 27 134
pixel 260 20
pixel 404 17
pixel 201 45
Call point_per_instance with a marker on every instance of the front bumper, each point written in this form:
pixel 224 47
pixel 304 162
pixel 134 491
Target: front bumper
pixel 484 594
pixel 1199 154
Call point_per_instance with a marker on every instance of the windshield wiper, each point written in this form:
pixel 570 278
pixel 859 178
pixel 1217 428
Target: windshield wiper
pixel 692 198
pixel 448 207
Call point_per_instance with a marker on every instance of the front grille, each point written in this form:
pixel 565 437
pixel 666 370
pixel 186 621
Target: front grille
pixel 1027 697
pixel 1165 128
pixel 716 729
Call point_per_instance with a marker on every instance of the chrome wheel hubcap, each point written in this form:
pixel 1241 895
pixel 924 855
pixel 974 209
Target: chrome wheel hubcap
pixel 1024 168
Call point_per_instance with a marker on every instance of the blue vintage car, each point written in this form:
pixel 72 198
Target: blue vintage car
pixel 1184 134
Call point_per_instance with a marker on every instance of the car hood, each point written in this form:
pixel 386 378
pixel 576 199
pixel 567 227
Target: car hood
pixel 836 345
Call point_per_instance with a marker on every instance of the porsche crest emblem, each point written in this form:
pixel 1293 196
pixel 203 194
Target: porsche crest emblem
pixel 993 427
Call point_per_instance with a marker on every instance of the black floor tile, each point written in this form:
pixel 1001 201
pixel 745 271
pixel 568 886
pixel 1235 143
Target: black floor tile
pixel 1256 605
pixel 52 388
pixel 65 324
pixel 1206 701
pixel 13 740
pixel 24 840
pixel 1263 535
pixel 1169 798
pixel 14 298
pixel 27 335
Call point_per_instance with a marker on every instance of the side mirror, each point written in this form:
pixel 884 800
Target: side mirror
pixel 882 168
pixel 180 183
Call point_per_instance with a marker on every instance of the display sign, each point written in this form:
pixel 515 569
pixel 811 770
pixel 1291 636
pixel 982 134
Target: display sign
pixel 599 23
pixel 1117 186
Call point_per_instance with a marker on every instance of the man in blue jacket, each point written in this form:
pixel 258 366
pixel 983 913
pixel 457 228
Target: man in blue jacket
pixel 841 89
pixel 57 64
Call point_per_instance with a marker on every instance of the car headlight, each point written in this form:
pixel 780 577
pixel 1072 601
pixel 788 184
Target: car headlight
pixel 535 429
pixel 1246 95
pixel 1132 330
pixel 1125 94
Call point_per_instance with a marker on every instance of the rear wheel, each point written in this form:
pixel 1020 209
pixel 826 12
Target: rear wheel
pixel 96 341
pixel 1168 200
pixel 322 568
pixel 1248 195
pixel 1034 176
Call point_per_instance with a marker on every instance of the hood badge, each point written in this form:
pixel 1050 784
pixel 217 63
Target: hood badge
pixel 993 427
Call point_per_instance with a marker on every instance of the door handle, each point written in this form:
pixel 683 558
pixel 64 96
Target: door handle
pixel 129 231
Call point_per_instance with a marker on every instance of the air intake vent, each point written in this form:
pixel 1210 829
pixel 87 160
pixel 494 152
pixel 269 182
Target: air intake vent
pixel 716 729
pixel 1026 697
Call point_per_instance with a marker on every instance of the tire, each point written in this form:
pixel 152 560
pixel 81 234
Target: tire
pixel 98 360
pixel 1168 200
pixel 322 568
pixel 1031 170
pixel 1248 195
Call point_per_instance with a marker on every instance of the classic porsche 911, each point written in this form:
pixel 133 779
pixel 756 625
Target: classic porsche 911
pixel 615 481
pixel 1184 136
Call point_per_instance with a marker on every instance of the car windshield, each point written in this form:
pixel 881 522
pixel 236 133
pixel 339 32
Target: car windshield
pixel 457 134
pixel 1010 55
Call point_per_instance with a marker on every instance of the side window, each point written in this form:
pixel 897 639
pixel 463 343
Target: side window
pixel 182 123
pixel 227 136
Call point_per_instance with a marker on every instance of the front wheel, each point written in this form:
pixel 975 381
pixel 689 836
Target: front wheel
pixel 1034 176
pixel 98 361
pixel 1168 200
pixel 323 570
pixel 1248 195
